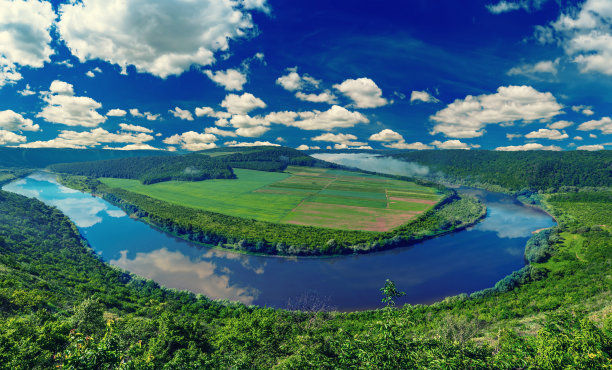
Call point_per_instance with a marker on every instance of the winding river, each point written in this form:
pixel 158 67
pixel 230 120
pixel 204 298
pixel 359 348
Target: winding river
pixel 462 262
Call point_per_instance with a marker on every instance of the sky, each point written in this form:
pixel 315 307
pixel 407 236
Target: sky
pixel 189 75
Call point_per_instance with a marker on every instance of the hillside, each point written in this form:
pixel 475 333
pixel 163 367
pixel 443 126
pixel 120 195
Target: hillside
pixel 524 170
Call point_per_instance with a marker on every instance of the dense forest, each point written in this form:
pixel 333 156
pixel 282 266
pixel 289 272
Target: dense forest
pixel 248 235
pixel 60 306
pixel 42 157
pixel 150 170
pixel 525 170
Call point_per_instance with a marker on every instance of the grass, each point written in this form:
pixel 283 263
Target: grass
pixel 301 195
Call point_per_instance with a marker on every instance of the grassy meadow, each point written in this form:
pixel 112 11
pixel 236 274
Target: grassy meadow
pixel 300 195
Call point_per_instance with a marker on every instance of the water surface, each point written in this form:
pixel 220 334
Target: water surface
pixel 462 262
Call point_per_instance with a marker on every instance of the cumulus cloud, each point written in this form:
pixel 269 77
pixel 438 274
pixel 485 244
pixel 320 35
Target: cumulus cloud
pixel 230 79
pixel 422 96
pixel 545 66
pixel 452 144
pixel 604 125
pixel 192 141
pixel 386 135
pixel 293 81
pixel 544 133
pixel 591 147
pixel 255 131
pixel 513 136
pixel 345 140
pixel 306 147
pixel 136 128
pixel 584 109
pixel 133 147
pixel 578 138
pixel 404 145
pixel 65 108
pixel 12 121
pixel 585 34
pixel 560 125
pixel 182 114
pixel 24 36
pixel 256 143
pixel 155 36
pixel 394 140
pixel 529 146
pixel 7 137
pixel 334 117
pixel 324 97
pixel 92 73
pixel 86 139
pixel 136 113
pixel 27 91
pixel 150 116
pixel 509 6
pixel 466 118
pixel 363 91
pixel 242 104
pixel 218 132
pixel 116 113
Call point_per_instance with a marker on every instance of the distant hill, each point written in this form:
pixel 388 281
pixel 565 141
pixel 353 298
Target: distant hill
pixel 149 170
pixel 533 170
pixel 42 157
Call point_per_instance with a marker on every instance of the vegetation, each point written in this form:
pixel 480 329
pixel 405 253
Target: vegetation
pixel 151 170
pixel 42 157
pixel 532 170
pixel 249 235
pixel 61 306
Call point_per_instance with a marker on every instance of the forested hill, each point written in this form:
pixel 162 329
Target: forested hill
pixel 265 158
pixel 42 157
pixel 149 170
pixel 533 170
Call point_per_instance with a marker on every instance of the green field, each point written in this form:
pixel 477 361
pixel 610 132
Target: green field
pixel 300 195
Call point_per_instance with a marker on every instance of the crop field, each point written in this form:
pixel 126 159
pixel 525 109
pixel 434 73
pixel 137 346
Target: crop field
pixel 301 196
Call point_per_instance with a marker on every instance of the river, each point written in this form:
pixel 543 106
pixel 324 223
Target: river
pixel 461 262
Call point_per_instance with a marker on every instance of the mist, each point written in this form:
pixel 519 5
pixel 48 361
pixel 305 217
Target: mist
pixel 375 163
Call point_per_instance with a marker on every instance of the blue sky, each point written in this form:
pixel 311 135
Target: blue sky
pixel 192 75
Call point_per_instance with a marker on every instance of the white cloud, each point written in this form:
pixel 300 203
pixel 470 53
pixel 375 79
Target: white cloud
pixel 151 117
pixel 306 147
pixel 292 81
pixel 192 141
pixel 24 36
pixel 90 74
pixel 133 147
pixel 280 139
pixel 136 113
pixel 545 66
pixel 136 128
pixel 509 6
pixel 403 145
pixel 116 113
pixel 423 96
pixel 155 36
pixel 7 137
pixel 604 125
pixel 219 132
pixel 529 146
pixel 25 92
pixel 255 131
pixel 591 147
pixel 544 133
pixel 230 79
pixel 340 138
pixel 324 97
pixel 593 136
pixel 588 112
pixel 204 111
pixel 256 143
pixel 578 138
pixel 560 125
pixel 452 144
pixel 246 121
pixel 64 108
pixel 584 109
pixel 260 5
pixel 466 118
pixel 386 135
pixel 241 104
pixel 513 136
pixel 335 117
pixel 584 33
pixel 12 121
pixel 182 114
pixel 85 139
pixel 363 91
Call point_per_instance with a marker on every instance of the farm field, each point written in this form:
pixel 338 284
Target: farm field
pixel 301 196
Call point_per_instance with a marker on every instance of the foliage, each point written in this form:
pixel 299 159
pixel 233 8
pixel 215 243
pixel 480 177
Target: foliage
pixel 150 170
pixel 535 170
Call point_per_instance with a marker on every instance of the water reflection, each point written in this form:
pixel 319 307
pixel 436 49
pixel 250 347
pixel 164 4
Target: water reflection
pixel 375 163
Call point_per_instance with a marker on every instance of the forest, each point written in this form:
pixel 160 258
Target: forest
pixel 536 170
pixel 150 170
pixel 61 306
